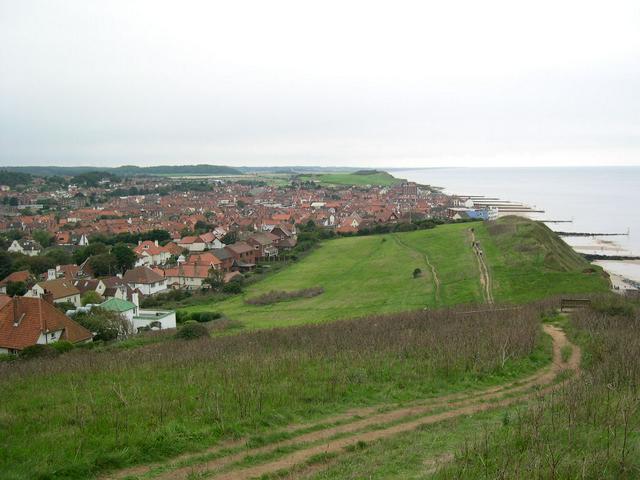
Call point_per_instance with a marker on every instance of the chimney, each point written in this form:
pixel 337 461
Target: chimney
pixel 156 242
pixel 51 274
pixel 47 296
pixel 139 242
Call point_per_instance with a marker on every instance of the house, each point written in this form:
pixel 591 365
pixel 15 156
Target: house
pixel 61 290
pixel 124 307
pixel 21 276
pixel 89 284
pixel 211 241
pixel 286 238
pixel 193 244
pixel 27 321
pixel 145 280
pixel 225 258
pixel 244 255
pixel 187 276
pixel 264 244
pixel 151 253
pixel 116 287
pixel 27 247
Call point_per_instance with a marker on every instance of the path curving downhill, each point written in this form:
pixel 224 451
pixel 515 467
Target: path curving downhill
pixel 425 257
pixel 337 434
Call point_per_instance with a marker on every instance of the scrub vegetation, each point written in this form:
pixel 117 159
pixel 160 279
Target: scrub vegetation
pixel 105 410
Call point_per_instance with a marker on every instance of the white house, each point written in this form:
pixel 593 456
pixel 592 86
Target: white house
pixel 26 247
pixel 151 253
pixel 145 280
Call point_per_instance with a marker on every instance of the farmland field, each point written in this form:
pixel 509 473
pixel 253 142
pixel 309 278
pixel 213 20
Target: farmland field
pixel 373 274
pixel 348 179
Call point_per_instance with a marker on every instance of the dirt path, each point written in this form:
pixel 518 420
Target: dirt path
pixel 485 276
pixel 371 424
pixel 425 257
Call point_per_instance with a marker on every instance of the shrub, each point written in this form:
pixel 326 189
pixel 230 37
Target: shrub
pixel 191 331
pixel 39 351
pixel 203 317
pixel 417 272
pixel 63 346
pixel 276 296
pixel 233 287
pixel 7 357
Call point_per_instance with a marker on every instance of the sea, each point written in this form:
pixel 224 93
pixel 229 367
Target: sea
pixel 593 200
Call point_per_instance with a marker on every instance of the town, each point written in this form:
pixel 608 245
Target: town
pixel 98 242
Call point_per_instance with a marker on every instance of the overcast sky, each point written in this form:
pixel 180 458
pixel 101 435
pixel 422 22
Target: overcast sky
pixel 347 83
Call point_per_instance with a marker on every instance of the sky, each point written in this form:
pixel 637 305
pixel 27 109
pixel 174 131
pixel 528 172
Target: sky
pixel 329 83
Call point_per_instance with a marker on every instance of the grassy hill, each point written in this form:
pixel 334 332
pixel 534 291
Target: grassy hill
pixel 373 274
pixel 361 177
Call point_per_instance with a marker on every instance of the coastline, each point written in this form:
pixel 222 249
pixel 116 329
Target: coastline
pixel 544 194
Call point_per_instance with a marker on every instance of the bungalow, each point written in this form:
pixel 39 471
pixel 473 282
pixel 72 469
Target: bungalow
pixel 151 253
pixel 27 247
pixel 29 321
pixel 61 291
pixel 145 280
pixel 124 307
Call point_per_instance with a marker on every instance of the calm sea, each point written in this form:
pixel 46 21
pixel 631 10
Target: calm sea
pixel 596 199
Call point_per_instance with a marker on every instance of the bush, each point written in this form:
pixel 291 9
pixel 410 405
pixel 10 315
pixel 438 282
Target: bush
pixel 203 317
pixel 613 305
pixel 417 272
pixel 234 286
pixel 63 346
pixel 276 296
pixel 191 331
pixel 39 351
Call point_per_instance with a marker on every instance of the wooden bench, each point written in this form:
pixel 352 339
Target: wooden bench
pixel 570 304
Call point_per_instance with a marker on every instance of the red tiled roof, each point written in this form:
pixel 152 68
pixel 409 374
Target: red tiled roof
pixel 23 319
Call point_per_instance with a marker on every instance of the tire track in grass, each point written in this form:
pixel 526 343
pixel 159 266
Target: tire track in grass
pixel 323 441
pixel 485 276
pixel 425 258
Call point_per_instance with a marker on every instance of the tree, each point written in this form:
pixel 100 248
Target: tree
pixel 104 264
pixel 215 279
pixel 106 325
pixel 417 272
pixel 91 296
pixel 230 238
pixel 125 257
pixel 59 256
pixel 94 248
pixel 6 263
pixel 16 289
pixel 43 237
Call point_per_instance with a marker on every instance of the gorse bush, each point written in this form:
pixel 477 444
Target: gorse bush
pixel 118 407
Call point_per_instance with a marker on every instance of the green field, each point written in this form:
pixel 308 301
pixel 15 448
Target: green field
pixel 347 179
pixel 373 274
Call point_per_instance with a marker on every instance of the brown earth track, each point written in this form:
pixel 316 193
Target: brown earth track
pixel 485 276
pixel 424 410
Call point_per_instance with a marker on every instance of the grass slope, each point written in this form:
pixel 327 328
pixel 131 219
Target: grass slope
pixel 528 261
pixel 347 179
pixel 373 274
